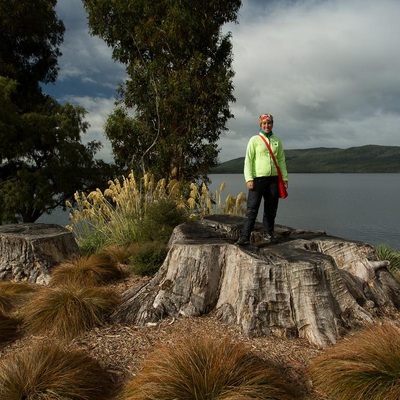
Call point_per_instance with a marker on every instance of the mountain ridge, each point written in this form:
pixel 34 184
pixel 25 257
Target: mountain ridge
pixel 362 159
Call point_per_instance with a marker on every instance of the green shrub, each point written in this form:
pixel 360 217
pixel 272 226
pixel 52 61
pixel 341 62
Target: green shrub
pixel 47 371
pixel 202 368
pixel 364 366
pixel 385 252
pixel 147 257
pixel 9 329
pixel 68 311
pixel 96 269
pixel 160 220
pixel 15 294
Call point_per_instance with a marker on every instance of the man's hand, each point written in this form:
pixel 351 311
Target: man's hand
pixel 250 185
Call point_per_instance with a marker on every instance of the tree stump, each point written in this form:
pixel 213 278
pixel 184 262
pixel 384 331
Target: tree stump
pixel 308 285
pixel 29 251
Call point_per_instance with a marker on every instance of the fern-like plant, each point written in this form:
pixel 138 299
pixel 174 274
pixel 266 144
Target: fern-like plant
pixel 96 269
pixel 203 368
pixel 364 366
pixel 67 312
pixel 48 371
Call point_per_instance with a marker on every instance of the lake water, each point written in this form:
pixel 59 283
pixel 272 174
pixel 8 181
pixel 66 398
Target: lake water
pixel 362 207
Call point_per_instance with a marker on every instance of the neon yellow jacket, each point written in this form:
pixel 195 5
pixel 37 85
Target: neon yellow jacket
pixel 258 161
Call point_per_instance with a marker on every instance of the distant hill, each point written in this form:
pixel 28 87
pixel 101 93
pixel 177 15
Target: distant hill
pixel 364 159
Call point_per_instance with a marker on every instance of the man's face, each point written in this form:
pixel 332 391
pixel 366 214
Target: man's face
pixel 267 125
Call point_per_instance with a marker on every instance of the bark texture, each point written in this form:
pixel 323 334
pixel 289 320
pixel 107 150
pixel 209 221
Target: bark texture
pixel 308 285
pixel 29 251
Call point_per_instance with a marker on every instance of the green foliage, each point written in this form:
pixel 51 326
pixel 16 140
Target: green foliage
pixel 147 257
pixel 29 43
pixel 9 329
pixel 67 312
pixel 371 159
pixel 92 270
pixel 179 82
pixel 49 371
pixel 160 220
pixel 385 252
pixel 363 366
pixel 203 368
pixel 42 159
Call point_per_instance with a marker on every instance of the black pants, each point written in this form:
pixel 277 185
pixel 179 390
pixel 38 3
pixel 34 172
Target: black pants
pixel 267 188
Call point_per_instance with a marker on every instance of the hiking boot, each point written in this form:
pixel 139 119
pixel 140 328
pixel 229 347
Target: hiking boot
pixel 243 240
pixel 270 237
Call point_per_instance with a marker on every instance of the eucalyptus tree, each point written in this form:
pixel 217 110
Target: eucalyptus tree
pixel 175 103
pixel 42 159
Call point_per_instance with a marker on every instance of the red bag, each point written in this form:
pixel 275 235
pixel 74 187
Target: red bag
pixel 282 188
pixel 281 184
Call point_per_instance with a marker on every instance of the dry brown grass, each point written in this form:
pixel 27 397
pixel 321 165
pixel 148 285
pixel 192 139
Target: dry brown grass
pixel 47 371
pixel 96 269
pixel 68 311
pixel 363 366
pixel 9 328
pixel 204 368
pixel 15 294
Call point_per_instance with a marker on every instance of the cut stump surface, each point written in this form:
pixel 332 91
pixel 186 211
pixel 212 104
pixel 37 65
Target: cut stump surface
pixel 29 251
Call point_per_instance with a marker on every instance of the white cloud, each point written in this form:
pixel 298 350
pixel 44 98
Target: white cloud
pixel 98 110
pixel 327 71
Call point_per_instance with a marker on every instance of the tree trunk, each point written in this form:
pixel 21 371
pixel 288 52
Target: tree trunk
pixel 307 285
pixel 29 251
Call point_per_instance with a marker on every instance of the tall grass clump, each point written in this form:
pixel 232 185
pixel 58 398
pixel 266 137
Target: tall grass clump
pixel 9 329
pixel 140 209
pixel 385 252
pixel 364 366
pixel 67 312
pixel 91 270
pixel 47 371
pixel 203 368
pixel 15 294
pixel 115 216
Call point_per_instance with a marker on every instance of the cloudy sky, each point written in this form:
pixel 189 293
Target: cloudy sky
pixel 329 72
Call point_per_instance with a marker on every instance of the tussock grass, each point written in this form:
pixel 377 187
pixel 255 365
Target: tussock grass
pixel 120 254
pixel 15 294
pixel 202 368
pixel 385 252
pixel 67 312
pixel 9 329
pixel 47 371
pixel 364 366
pixel 96 269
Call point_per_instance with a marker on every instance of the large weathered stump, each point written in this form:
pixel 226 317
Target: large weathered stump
pixel 29 251
pixel 308 285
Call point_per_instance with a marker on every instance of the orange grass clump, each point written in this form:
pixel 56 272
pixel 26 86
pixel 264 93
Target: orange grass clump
pixel 15 294
pixel 68 311
pixel 203 368
pixel 364 366
pixel 47 371
pixel 96 269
